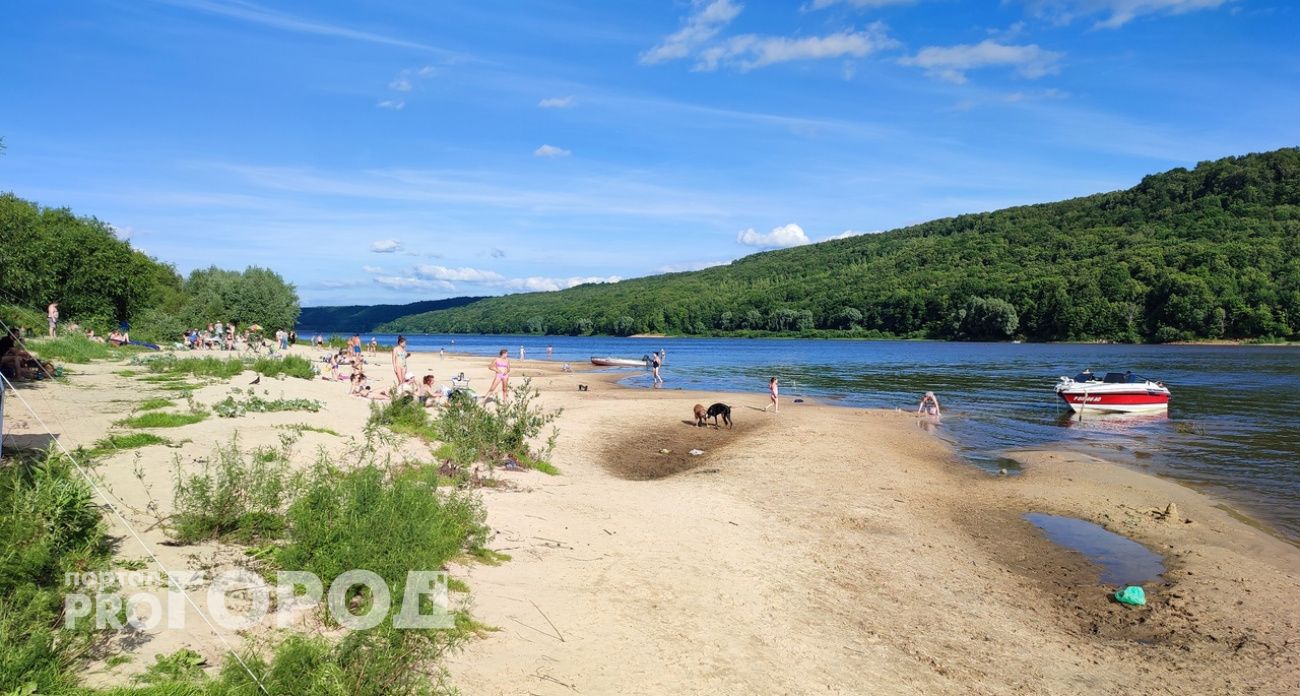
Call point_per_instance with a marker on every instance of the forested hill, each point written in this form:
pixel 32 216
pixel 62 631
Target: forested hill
pixel 365 318
pixel 1213 252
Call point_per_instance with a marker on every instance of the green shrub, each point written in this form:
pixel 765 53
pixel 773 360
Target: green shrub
pixel 233 495
pixel 402 415
pixel 153 404
pixel 75 348
pixel 476 433
pixel 289 365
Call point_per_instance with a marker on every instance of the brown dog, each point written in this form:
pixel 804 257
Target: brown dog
pixel 700 414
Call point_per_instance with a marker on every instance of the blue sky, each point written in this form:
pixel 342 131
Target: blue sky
pixel 393 151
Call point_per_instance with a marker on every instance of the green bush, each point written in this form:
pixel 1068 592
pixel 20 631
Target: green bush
pixel 158 419
pixel 75 348
pixel 473 432
pixel 124 441
pixel 402 415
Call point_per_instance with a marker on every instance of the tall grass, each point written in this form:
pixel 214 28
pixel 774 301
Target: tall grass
pixel 207 366
pixel 49 525
pixel 289 365
pixel 75 348
pixel 472 433
pixel 234 494
pixel 159 419
pixel 124 441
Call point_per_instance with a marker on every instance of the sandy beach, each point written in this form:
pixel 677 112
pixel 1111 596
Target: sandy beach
pixel 819 550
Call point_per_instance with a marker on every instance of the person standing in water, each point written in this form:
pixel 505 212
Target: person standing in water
pixel 773 394
pixel 656 362
pixel 500 375
pixel 550 350
pixel 929 405
pixel 521 352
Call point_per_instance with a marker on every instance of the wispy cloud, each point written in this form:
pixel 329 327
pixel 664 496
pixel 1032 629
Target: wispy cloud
pixel 407 79
pixel 551 151
pixel 689 266
pixel 498 253
pixel 790 235
pixel 951 63
pixel 709 18
pixel 556 102
pixel 394 104
pixel 255 14
pixel 823 4
pixel 385 246
pixel 751 51
pixel 543 284
pixel 409 283
pixel 850 233
pixel 372 269
pixel 1118 12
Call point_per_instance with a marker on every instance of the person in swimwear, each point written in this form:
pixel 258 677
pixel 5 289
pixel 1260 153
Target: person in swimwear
pixel 929 405
pixel 400 355
pixel 772 394
pixel 500 375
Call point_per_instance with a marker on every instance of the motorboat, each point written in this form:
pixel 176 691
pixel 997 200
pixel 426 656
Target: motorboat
pixel 620 362
pixel 1115 392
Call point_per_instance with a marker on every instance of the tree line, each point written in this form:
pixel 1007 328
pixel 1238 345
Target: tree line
pixel 100 281
pixel 1207 253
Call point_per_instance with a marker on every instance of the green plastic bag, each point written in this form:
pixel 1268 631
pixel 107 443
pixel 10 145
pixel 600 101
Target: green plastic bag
pixel 1133 595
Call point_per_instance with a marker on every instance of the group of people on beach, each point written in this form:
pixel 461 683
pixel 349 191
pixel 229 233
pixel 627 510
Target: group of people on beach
pixel 228 336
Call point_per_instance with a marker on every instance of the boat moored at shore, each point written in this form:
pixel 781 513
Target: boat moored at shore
pixel 1116 392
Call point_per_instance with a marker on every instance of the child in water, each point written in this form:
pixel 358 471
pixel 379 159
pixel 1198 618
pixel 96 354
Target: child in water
pixel 773 394
pixel 929 405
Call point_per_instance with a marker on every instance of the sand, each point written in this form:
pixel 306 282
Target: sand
pixel 819 550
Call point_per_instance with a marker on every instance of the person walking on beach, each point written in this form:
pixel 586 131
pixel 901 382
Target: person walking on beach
pixel 399 364
pixel 500 375
pixel 929 405
pixel 374 345
pixel 656 362
pixel 53 313
pixel 773 394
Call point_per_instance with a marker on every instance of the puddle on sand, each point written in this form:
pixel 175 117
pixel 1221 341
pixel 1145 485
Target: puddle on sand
pixel 1122 560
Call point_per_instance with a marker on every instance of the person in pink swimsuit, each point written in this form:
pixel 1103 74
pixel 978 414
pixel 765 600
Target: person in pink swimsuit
pixel 500 375
pixel 773 394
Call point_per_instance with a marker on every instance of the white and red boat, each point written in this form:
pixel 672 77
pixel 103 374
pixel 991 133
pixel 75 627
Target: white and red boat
pixel 1116 392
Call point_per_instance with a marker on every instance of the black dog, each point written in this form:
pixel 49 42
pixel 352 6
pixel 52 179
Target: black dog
pixel 720 410
pixel 582 387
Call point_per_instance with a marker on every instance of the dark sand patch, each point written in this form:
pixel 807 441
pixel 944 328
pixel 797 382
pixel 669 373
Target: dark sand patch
pixel 639 456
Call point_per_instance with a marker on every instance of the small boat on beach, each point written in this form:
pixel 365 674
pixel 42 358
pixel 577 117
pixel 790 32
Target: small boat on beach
pixel 620 362
pixel 1116 392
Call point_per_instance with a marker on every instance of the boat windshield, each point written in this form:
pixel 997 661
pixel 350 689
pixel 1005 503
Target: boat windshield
pixel 1122 378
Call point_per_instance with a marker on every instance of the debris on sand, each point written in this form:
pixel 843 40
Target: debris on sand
pixel 696 452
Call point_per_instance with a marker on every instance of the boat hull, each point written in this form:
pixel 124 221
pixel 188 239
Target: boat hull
pixel 1133 401
pixel 617 362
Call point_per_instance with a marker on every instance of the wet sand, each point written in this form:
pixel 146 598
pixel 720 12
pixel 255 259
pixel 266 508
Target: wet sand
pixel 819 550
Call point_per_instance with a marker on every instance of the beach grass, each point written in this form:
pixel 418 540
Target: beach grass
pixel 125 441
pixel 207 366
pixel 154 404
pixel 231 408
pixel 289 366
pixel 75 348
pixel 306 428
pixel 159 419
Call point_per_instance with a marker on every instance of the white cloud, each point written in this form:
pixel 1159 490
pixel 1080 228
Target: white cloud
pixel 709 18
pixel 1119 12
pixel 409 283
pixel 823 4
pixel 850 233
pixel 372 269
pixel 122 233
pixel 394 104
pixel 790 235
pixel 751 51
pixel 951 62
pixel 400 84
pixel 689 266
pixel 551 151
pixel 470 275
pixel 409 78
pixel 556 102
pixel 385 246
pixel 542 284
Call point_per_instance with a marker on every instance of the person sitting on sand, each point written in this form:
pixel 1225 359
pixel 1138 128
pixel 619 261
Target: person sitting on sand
pixel 772 394
pixel 929 405
pixel 426 392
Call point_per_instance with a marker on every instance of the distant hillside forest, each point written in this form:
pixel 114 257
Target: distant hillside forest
pixel 366 318
pixel 101 282
pixel 1211 253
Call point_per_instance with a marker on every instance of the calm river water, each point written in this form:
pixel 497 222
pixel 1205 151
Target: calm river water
pixel 1230 428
